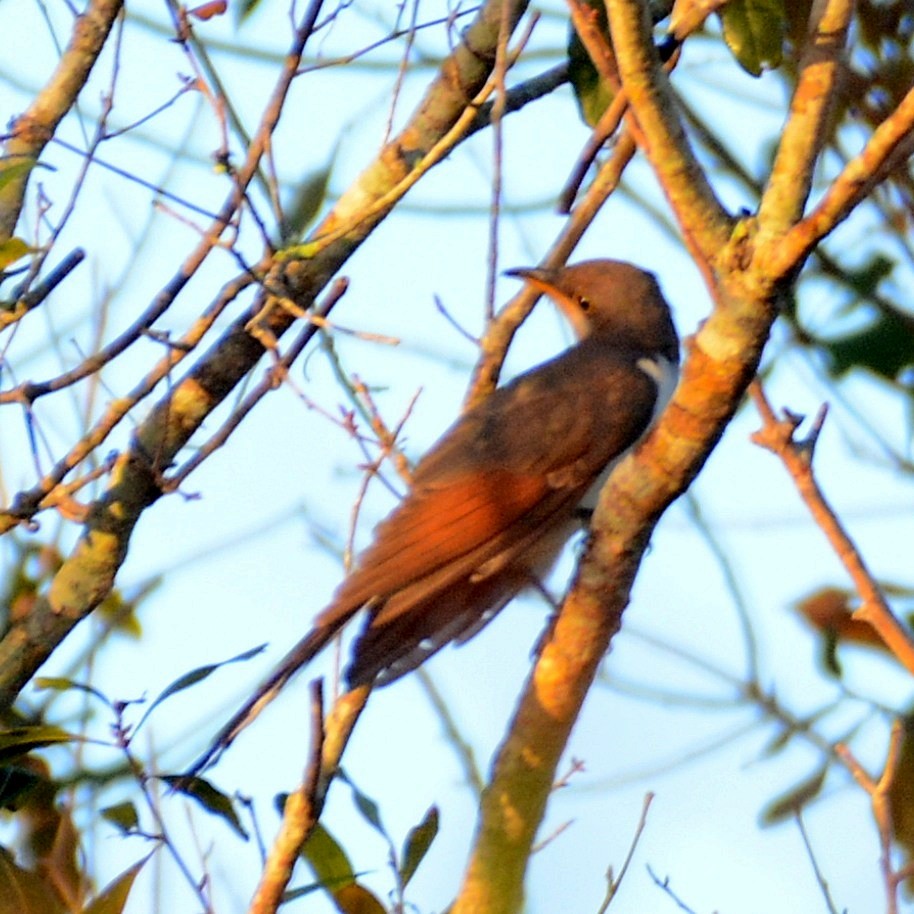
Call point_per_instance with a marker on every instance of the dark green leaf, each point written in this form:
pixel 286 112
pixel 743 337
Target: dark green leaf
pixel 18 741
pixel 306 203
pixel 366 806
pixel 592 94
pixel 417 843
pixel 788 805
pixel 865 280
pixel 122 816
pixel 211 799
pixel 754 31
pixel 884 347
pixel 195 676
pixel 244 9
pixel 328 860
pixel 16 784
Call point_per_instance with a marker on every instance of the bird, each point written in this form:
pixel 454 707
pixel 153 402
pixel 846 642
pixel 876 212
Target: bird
pixel 495 499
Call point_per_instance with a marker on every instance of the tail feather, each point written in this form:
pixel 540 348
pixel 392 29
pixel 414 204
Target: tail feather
pixel 299 656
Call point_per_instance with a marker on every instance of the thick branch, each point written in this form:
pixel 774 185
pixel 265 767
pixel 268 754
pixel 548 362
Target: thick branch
pixel 723 359
pixel 806 129
pixel 892 140
pixel 705 224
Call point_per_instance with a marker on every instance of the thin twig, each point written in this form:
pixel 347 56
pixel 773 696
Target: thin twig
pixel 615 882
pixel 777 435
pixel 268 383
pixel 879 792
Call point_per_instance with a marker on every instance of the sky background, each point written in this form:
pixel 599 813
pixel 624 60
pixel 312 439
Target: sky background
pixel 246 559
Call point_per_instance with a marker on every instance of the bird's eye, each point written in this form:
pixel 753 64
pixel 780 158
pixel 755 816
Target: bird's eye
pixel 584 303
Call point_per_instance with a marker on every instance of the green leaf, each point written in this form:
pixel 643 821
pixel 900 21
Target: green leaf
pixel 19 741
pixel 113 899
pixel 754 30
pixel 356 899
pixel 865 280
pixel 63 684
pixel 123 816
pixel 16 785
pixel 328 860
pixel 592 94
pixel 365 805
pixel 306 203
pixel 195 676
pixel 334 874
pixel 417 843
pixel 13 249
pixel 787 806
pixel 211 799
pixel 11 169
pixel 884 347
pixel 245 8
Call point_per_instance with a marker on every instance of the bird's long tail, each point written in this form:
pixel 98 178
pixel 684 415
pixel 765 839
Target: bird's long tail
pixel 301 654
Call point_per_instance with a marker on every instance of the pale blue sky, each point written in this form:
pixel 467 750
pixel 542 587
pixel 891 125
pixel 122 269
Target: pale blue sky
pixel 290 462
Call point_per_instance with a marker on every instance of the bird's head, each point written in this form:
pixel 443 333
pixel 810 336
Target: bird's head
pixel 610 299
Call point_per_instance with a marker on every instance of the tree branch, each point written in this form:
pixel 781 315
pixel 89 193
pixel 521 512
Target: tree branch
pixel 891 142
pixel 777 436
pixel 33 130
pixel 806 128
pixel 705 223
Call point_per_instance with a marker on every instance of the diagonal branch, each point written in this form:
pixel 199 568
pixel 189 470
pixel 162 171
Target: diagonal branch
pixel 722 359
pixel 777 436
pixel 891 142
pixel 34 129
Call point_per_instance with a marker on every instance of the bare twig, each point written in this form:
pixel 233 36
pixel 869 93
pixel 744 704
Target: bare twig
pixel 26 301
pixel 36 126
pixel 878 791
pixel 777 435
pixel 500 333
pixel 820 878
pixel 269 382
pixel 889 141
pixel 616 881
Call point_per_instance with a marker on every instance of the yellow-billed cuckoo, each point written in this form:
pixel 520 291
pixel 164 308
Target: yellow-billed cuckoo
pixel 495 499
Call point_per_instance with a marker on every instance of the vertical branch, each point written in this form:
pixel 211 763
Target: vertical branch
pixel 705 223
pixel 806 128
